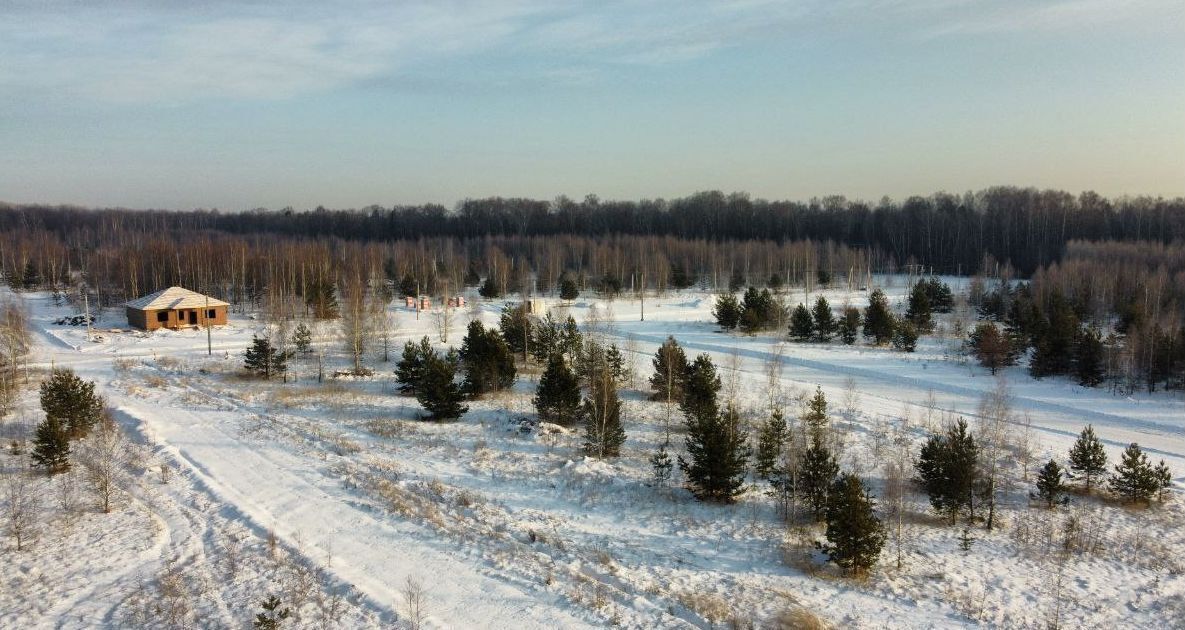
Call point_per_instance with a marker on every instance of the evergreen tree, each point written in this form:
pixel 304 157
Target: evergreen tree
pixel 919 311
pixel 878 319
pixel 670 372
pixel 410 368
pixel 1050 483
pixel 816 414
pixel 1055 341
pixel 545 339
pixel 771 440
pixel 603 431
pixel 571 341
pixel 681 278
pixel 265 360
pixel 700 389
pixel 716 446
pixel 825 324
pixel 515 327
pixel 408 287
pixel 272 615
pixel 948 470
pixel 568 290
pixel 302 338
pixel 817 473
pixel 30 279
pixel 736 281
pixel 72 402
pixel 727 311
pixel 1087 457
pixel 485 360
pixel 992 349
pixel 1088 360
pixel 661 465
pixel 759 311
pixel 1135 480
pixel 942 300
pixel 855 536
pixel 616 364
pixel 489 289
pixel 905 337
pixel 437 390
pixel 801 323
pixel 321 298
pixel 849 325
pixel 558 397
pixel 51 446
pixel 1164 478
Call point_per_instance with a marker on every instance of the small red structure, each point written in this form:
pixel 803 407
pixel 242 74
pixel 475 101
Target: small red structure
pixel 425 302
pixel 409 302
pixel 456 302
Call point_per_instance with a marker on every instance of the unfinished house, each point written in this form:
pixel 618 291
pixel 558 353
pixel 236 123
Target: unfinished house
pixel 175 308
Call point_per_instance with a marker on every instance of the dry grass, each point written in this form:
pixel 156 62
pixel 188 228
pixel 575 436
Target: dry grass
pixel 712 607
pixel 797 618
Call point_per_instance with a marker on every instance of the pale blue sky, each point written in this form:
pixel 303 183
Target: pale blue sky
pixel 236 105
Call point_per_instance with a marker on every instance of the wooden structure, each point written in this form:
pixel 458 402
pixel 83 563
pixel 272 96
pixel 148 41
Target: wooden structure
pixel 175 308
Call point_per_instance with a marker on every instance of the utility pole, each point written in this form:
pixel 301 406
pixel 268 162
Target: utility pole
pixel 642 294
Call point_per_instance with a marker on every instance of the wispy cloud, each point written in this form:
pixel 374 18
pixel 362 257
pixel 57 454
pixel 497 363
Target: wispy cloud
pixel 172 51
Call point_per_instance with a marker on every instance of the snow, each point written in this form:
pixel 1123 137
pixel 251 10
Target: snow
pixel 506 528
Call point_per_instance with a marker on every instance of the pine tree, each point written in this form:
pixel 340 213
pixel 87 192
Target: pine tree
pixel 727 311
pixel 489 289
pixel 1087 457
pixel 1088 360
pixel 849 325
pixel 571 341
pixel 948 470
pixel 568 290
pixel 410 368
pixel 485 360
pixel 716 446
pixel 878 319
pixel 801 323
pixel 265 360
pixel 942 300
pixel 771 440
pixel 1135 480
pixel 759 311
pixel 30 279
pixel 272 615
pixel 825 324
pixel 603 431
pixel 700 389
pixel 545 339
pixel 1055 340
pixel 51 446
pixel 670 372
pixel 919 311
pixel 1050 483
pixel 855 536
pixel 515 327
pixel 991 348
pixel 408 287
pixel 905 336
pixel 816 474
pixel 437 390
pixel 72 402
pixel 302 338
pixel 1164 478
pixel 816 414
pixel 557 398
pixel 661 465
pixel 321 298
pixel 616 364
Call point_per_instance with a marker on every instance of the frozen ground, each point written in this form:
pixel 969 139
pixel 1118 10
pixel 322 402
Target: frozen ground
pixel 333 495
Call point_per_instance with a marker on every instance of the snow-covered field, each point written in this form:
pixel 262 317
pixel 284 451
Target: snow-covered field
pixel 332 496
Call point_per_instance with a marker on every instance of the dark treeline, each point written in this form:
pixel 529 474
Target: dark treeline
pixel 1024 227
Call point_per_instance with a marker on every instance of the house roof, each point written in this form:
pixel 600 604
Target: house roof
pixel 172 298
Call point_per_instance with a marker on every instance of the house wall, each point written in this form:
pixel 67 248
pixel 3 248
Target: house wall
pixel 175 318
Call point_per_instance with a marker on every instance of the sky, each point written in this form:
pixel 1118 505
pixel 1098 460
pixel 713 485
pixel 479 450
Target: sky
pixel 260 103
